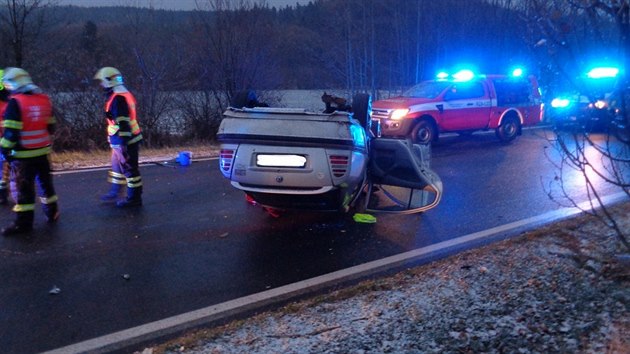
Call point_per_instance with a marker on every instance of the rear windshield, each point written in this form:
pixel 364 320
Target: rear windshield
pixel 427 89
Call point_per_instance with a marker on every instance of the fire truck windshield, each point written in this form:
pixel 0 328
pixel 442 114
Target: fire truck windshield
pixel 427 89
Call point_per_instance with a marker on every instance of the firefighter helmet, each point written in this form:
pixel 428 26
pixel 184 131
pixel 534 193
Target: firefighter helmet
pixel 109 77
pixel 15 78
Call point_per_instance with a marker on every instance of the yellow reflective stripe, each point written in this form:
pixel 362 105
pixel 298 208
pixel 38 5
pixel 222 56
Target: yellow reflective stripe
pixel 12 124
pixel 133 182
pixel 124 133
pixel 122 119
pixel 116 181
pixel 23 207
pixel 135 127
pixel 112 129
pixel 135 140
pixel 116 178
pixel 49 200
pixel 117 175
pixel 134 185
pixel 6 143
pixel 31 153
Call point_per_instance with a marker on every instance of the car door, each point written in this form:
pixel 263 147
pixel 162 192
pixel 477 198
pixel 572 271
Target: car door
pixel 400 179
pixel 466 107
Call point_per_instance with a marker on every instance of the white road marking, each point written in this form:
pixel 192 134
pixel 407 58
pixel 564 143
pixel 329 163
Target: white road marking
pixel 192 319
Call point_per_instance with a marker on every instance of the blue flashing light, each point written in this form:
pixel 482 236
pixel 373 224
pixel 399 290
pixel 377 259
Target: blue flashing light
pixel 442 75
pixel 517 72
pixel 464 75
pixel 560 102
pixel 358 134
pixel 602 72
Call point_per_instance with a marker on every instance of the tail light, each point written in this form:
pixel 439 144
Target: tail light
pixel 226 157
pixel 338 165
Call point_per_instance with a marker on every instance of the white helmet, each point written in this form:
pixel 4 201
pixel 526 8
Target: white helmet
pixel 109 77
pixel 15 78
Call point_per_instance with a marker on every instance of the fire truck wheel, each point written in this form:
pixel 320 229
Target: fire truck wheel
pixel 362 109
pixel 423 133
pixel 509 129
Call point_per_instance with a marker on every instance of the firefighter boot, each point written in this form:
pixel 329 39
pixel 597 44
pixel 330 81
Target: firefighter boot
pixel 112 195
pixel 23 224
pixel 52 212
pixel 134 198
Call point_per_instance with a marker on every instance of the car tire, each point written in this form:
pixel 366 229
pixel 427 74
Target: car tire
pixel 509 129
pixel 423 133
pixel 362 109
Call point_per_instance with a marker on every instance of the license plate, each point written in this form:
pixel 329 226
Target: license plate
pixel 276 160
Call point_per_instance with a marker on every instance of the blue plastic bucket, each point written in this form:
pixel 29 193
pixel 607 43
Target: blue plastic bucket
pixel 184 158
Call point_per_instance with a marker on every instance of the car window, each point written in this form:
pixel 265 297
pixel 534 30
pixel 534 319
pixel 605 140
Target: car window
pixel 512 91
pixel 427 89
pixel 466 90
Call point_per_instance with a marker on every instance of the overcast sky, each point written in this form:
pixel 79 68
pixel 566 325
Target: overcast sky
pixel 164 4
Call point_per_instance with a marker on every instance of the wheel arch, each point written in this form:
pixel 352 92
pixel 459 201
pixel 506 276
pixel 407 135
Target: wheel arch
pixel 424 118
pixel 511 112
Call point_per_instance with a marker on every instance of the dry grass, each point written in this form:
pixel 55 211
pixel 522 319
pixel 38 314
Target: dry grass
pixel 68 160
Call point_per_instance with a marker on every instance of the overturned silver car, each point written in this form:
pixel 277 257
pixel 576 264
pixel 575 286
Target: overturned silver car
pixel 288 158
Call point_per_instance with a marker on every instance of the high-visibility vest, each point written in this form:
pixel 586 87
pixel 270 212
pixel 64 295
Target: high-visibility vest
pixel 36 115
pixel 113 122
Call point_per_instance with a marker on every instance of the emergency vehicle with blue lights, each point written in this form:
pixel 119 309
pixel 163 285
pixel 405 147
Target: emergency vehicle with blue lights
pixel 588 103
pixel 463 102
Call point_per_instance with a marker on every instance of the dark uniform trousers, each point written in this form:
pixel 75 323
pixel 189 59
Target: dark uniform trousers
pixel 4 182
pixel 125 171
pixel 24 174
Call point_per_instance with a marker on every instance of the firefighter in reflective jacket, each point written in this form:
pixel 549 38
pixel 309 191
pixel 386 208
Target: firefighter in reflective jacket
pixel 124 136
pixel 26 142
pixel 4 178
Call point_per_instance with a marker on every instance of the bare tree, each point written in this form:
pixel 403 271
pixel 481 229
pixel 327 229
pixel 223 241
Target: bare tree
pixel 22 24
pixel 567 28
pixel 231 44
pixel 154 74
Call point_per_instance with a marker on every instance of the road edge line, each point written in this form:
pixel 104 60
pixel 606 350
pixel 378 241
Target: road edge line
pixel 195 318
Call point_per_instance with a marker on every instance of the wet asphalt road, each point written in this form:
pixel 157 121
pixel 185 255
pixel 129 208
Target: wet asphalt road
pixel 196 242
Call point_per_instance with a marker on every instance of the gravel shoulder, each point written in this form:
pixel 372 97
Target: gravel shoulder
pixel 561 289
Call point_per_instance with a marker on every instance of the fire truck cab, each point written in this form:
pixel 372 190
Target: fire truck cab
pixel 462 103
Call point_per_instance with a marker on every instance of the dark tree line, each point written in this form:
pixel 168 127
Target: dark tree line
pixel 185 66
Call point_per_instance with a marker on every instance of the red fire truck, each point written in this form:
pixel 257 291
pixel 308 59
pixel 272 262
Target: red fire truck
pixel 462 103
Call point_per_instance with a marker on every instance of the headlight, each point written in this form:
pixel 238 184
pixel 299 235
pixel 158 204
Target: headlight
pixel 600 104
pixel 399 113
pixel 560 103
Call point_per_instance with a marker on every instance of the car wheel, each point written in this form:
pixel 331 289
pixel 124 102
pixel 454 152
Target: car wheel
pixel 362 109
pixel 509 129
pixel 423 133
